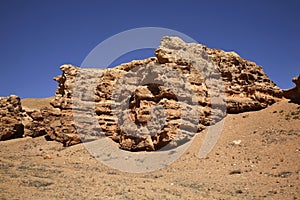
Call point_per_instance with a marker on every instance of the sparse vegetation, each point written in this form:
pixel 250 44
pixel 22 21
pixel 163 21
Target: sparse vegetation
pixel 292 114
pixel 72 172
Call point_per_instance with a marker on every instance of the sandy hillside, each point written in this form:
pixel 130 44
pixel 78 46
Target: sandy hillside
pixel 256 157
pixel 36 103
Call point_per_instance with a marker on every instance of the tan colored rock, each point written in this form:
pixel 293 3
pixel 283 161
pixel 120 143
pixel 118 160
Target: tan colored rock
pixel 10 118
pixel 57 121
pixel 293 93
pixel 61 126
pixel 247 87
pixel 65 81
pixel 129 121
pixel 38 122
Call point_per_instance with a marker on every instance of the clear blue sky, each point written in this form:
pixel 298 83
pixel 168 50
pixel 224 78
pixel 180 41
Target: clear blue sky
pixel 36 37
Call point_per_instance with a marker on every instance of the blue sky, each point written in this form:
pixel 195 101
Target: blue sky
pixel 36 37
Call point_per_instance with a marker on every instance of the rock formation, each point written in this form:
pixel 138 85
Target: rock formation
pixel 247 88
pixel 293 93
pixel 56 122
pixel 126 101
pixel 63 128
pixel 10 118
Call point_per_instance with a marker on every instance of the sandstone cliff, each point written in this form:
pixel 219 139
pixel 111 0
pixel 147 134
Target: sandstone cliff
pixel 175 75
pixel 247 88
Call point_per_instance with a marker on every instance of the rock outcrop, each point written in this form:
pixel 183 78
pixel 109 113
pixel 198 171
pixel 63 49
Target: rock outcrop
pixel 139 93
pixel 294 93
pixel 10 118
pixel 56 121
pixel 63 127
pixel 148 104
pixel 246 86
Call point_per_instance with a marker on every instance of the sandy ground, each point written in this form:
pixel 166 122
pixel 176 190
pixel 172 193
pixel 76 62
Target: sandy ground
pixel 36 103
pixel 256 157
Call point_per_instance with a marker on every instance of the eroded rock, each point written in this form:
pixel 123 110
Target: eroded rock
pixel 10 117
pixel 247 86
pixel 293 93
pixel 148 104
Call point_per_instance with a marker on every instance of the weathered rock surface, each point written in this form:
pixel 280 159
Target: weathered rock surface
pixel 59 122
pixel 56 121
pixel 148 104
pixel 140 93
pixel 293 93
pixel 246 86
pixel 10 117
pixel 61 126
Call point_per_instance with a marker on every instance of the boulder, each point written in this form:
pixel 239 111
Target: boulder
pixel 10 117
pixel 294 93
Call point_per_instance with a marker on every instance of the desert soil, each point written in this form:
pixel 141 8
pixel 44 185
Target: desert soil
pixel 256 157
pixel 36 103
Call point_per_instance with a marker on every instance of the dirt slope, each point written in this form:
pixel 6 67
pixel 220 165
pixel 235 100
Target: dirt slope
pixel 256 157
pixel 36 103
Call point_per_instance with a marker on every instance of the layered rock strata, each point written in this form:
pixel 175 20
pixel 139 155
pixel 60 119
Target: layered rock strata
pixel 246 87
pixel 153 103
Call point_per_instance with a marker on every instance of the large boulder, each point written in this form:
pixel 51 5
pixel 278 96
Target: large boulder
pixel 10 117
